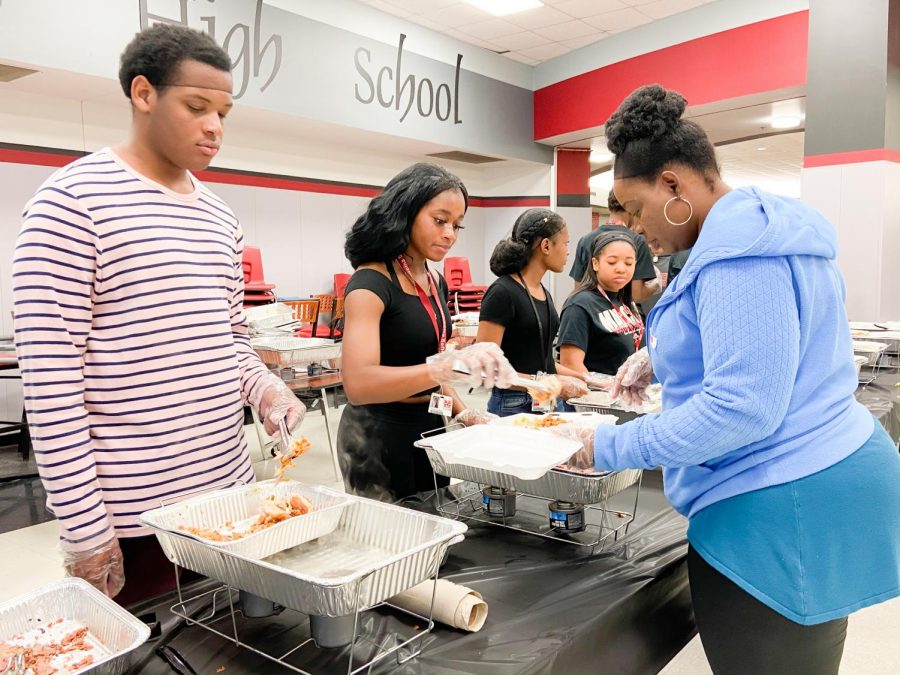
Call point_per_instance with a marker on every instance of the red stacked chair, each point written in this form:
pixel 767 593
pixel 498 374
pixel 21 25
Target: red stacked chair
pixel 464 295
pixel 340 284
pixel 256 290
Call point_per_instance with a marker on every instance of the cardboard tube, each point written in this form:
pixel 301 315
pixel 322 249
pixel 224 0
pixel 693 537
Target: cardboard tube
pixel 454 605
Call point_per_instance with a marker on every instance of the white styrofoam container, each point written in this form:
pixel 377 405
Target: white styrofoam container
pixel 859 362
pixel 524 453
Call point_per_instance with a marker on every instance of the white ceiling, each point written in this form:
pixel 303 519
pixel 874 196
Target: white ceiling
pixel 539 34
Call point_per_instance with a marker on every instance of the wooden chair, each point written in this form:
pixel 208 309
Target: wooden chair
pixel 304 311
pixel 337 319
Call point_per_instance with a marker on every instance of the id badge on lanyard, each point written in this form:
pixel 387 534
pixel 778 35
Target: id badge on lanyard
pixel 439 404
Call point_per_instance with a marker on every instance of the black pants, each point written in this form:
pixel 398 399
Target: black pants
pixel 742 635
pixel 376 452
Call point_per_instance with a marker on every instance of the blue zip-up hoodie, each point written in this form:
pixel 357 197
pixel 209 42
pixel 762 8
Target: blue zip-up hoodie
pixel 752 346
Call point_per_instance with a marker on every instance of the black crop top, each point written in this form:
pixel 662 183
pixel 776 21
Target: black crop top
pixel 407 334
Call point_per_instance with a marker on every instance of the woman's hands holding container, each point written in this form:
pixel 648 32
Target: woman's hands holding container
pixel 632 380
pixel 480 365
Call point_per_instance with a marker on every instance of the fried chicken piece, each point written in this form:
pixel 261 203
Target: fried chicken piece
pixel 285 462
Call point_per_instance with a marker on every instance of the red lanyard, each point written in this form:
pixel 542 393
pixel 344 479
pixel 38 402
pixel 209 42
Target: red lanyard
pixel 635 325
pixel 440 333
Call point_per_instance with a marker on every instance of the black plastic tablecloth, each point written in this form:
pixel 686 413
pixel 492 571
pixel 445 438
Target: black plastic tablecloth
pixel 553 608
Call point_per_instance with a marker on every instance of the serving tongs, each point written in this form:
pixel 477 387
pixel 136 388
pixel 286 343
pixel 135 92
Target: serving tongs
pixel 524 382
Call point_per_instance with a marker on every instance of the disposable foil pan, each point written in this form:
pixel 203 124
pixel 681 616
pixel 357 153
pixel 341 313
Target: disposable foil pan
pixel 117 631
pixel 558 485
pixel 237 503
pixel 294 351
pixel 871 350
pixel 377 548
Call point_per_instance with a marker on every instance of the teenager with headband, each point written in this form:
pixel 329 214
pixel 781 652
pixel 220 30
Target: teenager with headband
pixel 791 487
pixel 518 313
pixel 397 372
pixel 601 326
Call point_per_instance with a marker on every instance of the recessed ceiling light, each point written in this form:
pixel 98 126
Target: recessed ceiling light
pixel 786 122
pixel 504 7
pixel 600 156
pixel 762 148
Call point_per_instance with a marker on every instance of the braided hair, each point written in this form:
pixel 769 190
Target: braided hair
pixel 531 227
pixel 647 133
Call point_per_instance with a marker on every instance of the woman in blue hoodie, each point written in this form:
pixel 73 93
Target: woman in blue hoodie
pixel 791 488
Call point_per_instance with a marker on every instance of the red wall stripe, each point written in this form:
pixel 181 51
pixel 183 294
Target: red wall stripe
pixel 231 177
pixel 573 171
pixel 763 56
pixel 852 157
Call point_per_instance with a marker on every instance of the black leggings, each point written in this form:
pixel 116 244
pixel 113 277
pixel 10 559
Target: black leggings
pixel 742 635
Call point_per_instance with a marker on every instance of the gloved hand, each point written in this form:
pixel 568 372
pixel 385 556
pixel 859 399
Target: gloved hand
pixel 483 363
pixel 277 402
pixel 102 566
pixel 571 387
pixel 583 458
pixel 632 380
pixel 469 417
pixel 599 380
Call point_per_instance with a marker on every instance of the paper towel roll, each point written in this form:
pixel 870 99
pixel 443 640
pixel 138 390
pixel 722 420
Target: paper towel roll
pixel 454 605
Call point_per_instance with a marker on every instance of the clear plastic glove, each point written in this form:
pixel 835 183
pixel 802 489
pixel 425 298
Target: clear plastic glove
pixel 599 380
pixel 469 417
pixel 571 387
pixel 583 458
pixel 480 365
pixel 277 403
pixel 632 380
pixel 102 567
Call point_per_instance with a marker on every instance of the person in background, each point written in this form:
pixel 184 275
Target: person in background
pixel 645 282
pixel 677 261
pixel 398 376
pixel 601 327
pixel 763 445
pixel 128 286
pixel 517 311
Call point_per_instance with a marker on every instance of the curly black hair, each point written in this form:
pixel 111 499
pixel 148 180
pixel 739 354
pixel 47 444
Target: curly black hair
pixel 647 133
pixel 512 254
pixel 383 231
pixel 156 53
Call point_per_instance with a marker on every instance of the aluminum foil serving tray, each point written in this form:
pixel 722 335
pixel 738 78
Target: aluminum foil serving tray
pixel 555 484
pixel 118 632
pixel 376 549
pixel 294 351
pixel 214 509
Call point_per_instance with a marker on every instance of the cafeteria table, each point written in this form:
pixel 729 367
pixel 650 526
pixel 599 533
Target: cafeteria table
pixel 553 608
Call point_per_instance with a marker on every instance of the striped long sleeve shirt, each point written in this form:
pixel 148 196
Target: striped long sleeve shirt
pixel 132 343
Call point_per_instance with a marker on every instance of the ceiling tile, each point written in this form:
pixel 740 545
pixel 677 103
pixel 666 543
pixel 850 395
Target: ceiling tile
pixel 566 31
pixel 537 18
pixel 490 29
pixel 623 19
pixel 544 52
pixel 426 22
pixel 521 40
pixel 521 58
pixel 663 8
pixel 457 15
pixel 388 8
pixel 421 6
pixel 583 41
pixel 581 9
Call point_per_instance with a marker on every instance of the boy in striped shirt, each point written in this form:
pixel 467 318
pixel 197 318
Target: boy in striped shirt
pixel 129 326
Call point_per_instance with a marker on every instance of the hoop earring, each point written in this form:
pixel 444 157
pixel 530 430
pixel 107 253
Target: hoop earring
pixel 666 211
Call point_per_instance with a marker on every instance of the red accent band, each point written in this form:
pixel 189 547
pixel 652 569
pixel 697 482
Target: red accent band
pixel 488 202
pixel 573 171
pixel 852 157
pixel 763 56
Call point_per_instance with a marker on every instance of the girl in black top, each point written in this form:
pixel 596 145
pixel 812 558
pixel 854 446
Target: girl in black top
pixel 396 326
pixel 601 326
pixel 517 312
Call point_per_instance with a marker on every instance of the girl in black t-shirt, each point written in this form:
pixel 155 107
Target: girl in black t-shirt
pixel 601 326
pixel 396 325
pixel 517 312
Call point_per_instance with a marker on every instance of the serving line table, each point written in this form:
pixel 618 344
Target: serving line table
pixel 552 608
pixel 8 362
pixel 882 398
